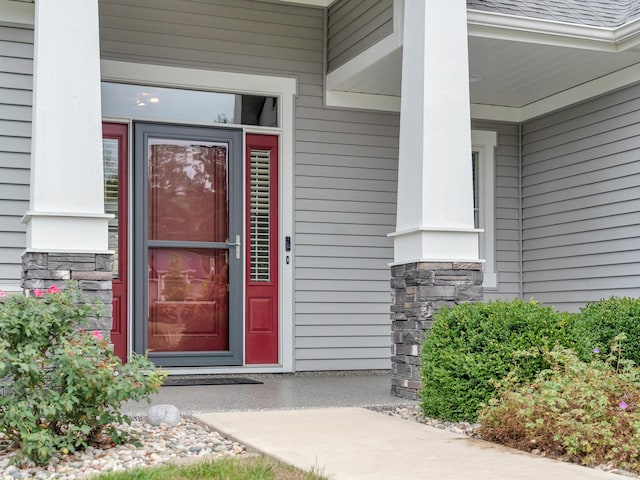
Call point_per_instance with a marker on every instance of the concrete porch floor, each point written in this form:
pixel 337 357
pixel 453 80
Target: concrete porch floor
pixel 279 392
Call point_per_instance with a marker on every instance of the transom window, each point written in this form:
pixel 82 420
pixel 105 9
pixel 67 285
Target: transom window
pixel 193 106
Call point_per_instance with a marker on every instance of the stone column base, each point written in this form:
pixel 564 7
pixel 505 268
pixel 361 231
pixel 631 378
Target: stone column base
pixel 92 273
pixel 418 291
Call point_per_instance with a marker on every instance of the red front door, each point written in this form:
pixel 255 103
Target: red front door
pixel 114 145
pixel 260 245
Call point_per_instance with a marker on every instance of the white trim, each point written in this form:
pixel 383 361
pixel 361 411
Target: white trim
pixel 363 101
pixel 19 14
pixel 550 32
pixel 628 35
pixel 440 245
pixel 485 143
pixel 436 260
pixel 313 3
pixel 29 214
pixel 497 113
pixel 406 231
pixel 357 64
pixel 283 87
pixel 179 77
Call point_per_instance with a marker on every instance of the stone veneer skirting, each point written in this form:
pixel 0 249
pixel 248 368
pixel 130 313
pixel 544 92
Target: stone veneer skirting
pixel 92 273
pixel 418 291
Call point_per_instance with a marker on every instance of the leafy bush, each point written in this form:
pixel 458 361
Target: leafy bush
pixel 586 412
pixel 63 387
pixel 471 346
pixel 600 322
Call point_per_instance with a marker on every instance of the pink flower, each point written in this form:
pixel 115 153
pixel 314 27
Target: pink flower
pixel 97 335
pixel 2 293
pixel 53 289
pixel 38 293
pixel 623 405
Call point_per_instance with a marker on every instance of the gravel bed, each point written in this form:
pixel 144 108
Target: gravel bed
pixel 159 445
pixel 413 412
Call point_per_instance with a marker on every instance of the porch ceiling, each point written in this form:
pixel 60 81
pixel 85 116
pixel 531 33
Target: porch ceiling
pixel 520 67
pixel 516 74
pixel 506 72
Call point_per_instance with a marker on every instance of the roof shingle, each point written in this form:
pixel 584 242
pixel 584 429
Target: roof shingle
pixel 597 13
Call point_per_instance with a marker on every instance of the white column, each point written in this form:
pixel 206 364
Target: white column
pixel 67 203
pixel 435 191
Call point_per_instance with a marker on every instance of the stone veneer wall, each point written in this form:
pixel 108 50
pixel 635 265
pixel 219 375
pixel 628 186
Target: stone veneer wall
pixel 92 273
pixel 418 291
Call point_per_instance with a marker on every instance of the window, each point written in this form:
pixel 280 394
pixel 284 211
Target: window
pixel 483 164
pixel 193 106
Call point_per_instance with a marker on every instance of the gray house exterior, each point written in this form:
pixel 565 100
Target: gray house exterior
pixel 554 107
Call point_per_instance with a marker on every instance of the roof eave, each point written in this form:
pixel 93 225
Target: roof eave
pixel 550 32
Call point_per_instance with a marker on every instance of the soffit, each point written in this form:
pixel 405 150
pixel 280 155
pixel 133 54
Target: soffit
pixel 516 62
pixel 517 73
pixel 507 73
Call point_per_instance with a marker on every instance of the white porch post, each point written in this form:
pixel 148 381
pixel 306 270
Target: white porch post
pixel 436 259
pixel 435 193
pixel 67 201
pixel 67 237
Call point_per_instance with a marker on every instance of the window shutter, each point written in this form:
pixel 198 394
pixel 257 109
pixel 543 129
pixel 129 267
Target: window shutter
pixel 259 212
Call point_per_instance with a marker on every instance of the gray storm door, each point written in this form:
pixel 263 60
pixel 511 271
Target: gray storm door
pixel 187 255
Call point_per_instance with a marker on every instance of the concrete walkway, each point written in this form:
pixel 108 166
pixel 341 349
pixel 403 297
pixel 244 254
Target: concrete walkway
pixel 355 443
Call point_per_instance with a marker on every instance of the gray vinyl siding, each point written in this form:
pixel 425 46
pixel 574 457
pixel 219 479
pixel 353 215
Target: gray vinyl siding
pixel 581 197
pixel 507 210
pixel 345 161
pixel 354 26
pixel 16 65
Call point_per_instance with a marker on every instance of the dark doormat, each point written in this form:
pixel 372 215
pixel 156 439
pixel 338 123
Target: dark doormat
pixel 192 380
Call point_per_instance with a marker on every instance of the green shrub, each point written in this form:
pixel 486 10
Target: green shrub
pixel 601 321
pixel 585 412
pixel 471 346
pixel 63 387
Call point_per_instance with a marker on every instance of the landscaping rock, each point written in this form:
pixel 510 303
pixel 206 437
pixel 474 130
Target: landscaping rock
pixel 163 413
pixel 157 445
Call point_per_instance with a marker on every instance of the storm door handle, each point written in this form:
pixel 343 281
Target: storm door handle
pixel 237 245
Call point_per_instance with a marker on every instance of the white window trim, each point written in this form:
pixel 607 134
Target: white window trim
pixel 484 145
pixel 285 89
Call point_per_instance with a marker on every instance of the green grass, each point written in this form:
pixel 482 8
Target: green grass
pixel 251 468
